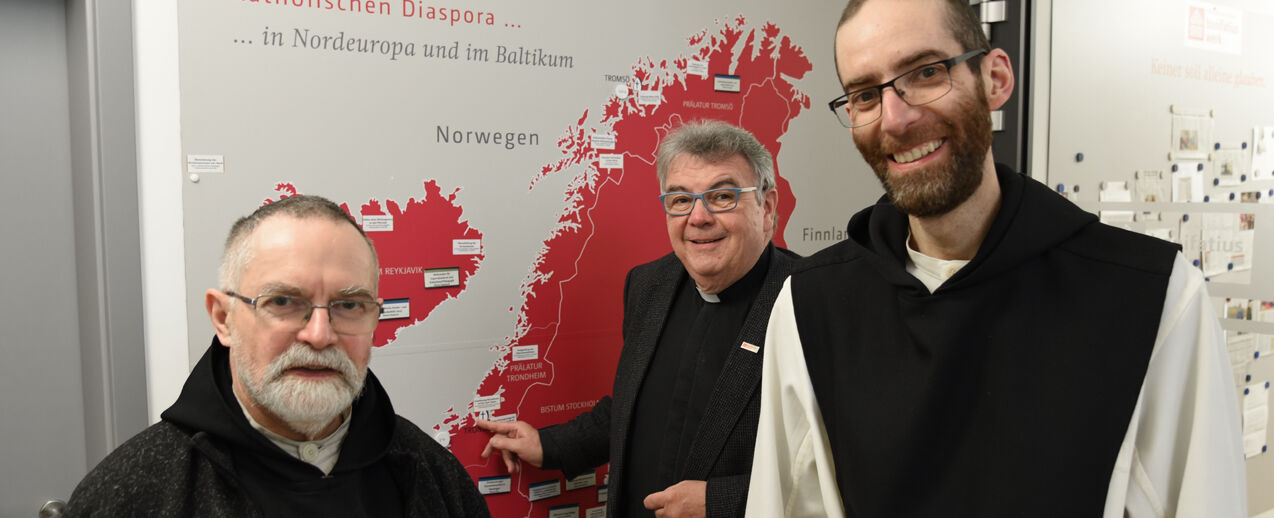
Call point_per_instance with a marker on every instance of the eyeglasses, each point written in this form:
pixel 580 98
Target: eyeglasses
pixel 715 200
pixel 922 85
pixel 347 317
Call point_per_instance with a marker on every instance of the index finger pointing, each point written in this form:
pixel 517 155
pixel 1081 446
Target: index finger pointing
pixel 494 427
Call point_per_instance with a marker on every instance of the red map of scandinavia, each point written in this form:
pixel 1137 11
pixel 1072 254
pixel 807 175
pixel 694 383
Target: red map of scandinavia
pixel 572 309
pixel 421 239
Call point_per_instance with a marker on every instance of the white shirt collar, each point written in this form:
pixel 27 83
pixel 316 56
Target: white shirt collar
pixel 931 271
pixel 708 297
pixel 321 453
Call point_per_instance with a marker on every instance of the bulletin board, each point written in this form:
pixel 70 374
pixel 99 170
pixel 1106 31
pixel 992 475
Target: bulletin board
pixel 1161 120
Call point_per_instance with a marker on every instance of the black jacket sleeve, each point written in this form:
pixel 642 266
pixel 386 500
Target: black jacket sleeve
pixel 580 444
pixel 727 496
pixel 583 443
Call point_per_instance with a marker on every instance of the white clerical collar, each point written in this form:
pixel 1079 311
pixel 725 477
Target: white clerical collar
pixel 708 297
pixel 321 453
pixel 930 270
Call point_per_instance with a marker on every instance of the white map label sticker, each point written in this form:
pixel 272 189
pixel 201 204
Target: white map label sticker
pixel 486 403
pixel 602 140
pixel 396 308
pixel 726 83
pixel 442 277
pixel 596 512
pixel 495 485
pixel 466 246
pixel 378 223
pixel 588 479
pixel 610 161
pixel 542 490
pixel 698 68
pixel 205 163
pixel 564 511
pixel 443 437
pixel 507 418
pixel 602 492
pixel 526 352
pixel 649 97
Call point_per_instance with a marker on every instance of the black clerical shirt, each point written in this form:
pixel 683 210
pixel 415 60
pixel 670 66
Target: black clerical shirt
pixel 693 346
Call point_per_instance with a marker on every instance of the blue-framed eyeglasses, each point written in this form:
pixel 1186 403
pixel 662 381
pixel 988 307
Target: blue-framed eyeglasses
pixel 724 199
pixel 922 85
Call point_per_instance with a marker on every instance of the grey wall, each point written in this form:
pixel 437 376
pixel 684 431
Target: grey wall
pixel 108 250
pixel 72 383
pixel 43 451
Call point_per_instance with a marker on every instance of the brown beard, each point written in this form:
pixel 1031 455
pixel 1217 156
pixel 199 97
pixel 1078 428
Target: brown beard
pixel 936 190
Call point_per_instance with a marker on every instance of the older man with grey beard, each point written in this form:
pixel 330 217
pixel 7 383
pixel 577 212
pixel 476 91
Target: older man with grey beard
pixel 281 416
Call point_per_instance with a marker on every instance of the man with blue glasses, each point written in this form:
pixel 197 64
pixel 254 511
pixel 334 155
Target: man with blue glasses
pixel 679 429
pixel 281 416
pixel 979 346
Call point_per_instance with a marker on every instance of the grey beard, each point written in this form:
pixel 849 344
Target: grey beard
pixel 306 406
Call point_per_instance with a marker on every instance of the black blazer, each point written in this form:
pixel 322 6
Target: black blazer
pixel 722 451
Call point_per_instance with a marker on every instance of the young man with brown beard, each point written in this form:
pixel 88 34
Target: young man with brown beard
pixel 979 346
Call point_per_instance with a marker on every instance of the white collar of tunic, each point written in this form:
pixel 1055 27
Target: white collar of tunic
pixel 930 270
pixel 321 453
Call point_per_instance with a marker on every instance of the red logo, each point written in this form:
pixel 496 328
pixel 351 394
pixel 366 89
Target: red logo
pixel 1197 23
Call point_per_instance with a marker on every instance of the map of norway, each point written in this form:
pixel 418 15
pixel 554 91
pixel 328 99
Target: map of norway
pixel 561 358
pixel 427 254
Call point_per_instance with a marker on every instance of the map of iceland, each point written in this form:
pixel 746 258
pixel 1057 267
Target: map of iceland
pixel 427 253
pixel 561 357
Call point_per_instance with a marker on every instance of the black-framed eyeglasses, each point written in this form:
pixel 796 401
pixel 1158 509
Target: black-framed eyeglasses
pixel 715 200
pixel 922 85
pixel 347 316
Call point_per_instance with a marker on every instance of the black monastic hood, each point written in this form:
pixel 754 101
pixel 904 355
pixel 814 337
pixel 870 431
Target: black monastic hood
pixel 207 404
pixel 879 233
